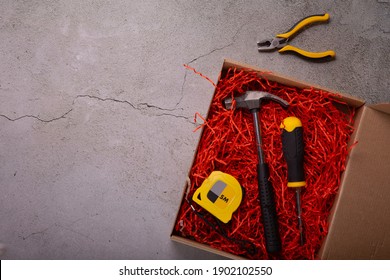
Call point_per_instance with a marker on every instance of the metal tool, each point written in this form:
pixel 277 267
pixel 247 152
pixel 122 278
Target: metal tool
pixel 292 141
pixel 252 101
pixel 281 40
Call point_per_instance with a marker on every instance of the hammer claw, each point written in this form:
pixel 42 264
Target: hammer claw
pixel 277 99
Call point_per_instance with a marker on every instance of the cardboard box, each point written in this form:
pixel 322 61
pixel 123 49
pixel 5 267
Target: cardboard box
pixel 360 218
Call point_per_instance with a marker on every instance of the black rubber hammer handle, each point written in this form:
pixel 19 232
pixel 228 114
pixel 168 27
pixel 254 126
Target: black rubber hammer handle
pixel 268 210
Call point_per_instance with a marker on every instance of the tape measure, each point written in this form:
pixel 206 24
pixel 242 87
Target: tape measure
pixel 220 194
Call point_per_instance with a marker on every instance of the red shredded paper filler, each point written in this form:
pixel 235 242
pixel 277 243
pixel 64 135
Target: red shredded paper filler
pixel 228 145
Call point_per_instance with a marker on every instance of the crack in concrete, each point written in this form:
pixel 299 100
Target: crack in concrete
pixel 212 51
pixel 182 90
pixel 104 99
pixel 35 233
pixel 142 107
pixel 233 40
pixel 147 105
pixel 36 117
pixel 177 116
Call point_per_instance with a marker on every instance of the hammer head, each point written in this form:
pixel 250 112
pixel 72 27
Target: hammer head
pixel 252 100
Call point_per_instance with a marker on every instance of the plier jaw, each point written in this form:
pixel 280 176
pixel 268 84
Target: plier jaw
pixel 280 41
pixel 269 45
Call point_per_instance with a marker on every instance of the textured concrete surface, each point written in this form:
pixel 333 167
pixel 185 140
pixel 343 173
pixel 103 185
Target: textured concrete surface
pixel 96 109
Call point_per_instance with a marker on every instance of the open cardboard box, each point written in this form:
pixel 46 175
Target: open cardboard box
pixel 359 224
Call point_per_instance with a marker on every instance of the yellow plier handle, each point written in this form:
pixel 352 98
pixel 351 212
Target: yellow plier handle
pixel 302 23
pixel 324 54
pixel 297 27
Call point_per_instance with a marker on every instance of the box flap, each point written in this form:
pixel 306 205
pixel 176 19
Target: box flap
pixel 277 77
pixel 360 225
pixel 384 107
pixel 204 247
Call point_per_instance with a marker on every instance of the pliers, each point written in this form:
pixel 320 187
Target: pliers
pixel 281 40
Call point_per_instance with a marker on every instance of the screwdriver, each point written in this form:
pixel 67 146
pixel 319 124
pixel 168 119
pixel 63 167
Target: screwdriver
pixel 292 142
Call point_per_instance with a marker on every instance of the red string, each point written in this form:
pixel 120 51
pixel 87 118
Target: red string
pixel 200 74
pixel 227 144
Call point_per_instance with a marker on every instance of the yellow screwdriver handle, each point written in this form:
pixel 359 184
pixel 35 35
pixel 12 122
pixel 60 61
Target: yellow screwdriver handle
pixel 302 23
pixel 329 53
pixel 292 143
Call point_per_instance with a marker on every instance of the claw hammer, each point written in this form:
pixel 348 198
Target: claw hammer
pixel 252 101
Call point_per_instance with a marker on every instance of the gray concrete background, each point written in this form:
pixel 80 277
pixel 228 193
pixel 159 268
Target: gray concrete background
pixel 96 109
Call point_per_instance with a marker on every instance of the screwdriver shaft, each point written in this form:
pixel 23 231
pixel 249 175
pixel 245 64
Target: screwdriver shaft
pixel 299 215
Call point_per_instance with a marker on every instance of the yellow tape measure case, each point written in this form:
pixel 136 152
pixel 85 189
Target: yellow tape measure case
pixel 220 194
